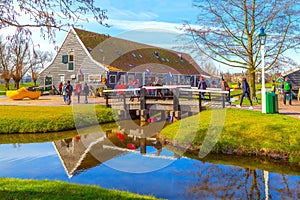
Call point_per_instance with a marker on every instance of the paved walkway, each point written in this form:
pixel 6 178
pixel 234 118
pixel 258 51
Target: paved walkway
pixel 293 110
pixel 56 100
pixel 48 100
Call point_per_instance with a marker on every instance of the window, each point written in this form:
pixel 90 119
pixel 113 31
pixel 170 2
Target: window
pixel 71 60
pixel 62 78
pixel 71 57
pixel 112 79
pixel 65 59
pixel 71 66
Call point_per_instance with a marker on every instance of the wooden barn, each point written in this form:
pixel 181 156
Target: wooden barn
pixel 101 60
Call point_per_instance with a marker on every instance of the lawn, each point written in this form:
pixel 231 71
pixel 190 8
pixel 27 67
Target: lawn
pixel 41 119
pixel 242 132
pixel 32 189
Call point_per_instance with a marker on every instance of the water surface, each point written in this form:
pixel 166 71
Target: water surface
pixel 116 160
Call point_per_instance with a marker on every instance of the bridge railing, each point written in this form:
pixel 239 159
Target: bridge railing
pixel 171 92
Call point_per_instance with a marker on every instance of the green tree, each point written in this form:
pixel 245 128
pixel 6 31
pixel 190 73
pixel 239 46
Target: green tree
pixel 227 32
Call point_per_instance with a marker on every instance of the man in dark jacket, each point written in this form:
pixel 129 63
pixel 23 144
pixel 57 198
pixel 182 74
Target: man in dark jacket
pixel 202 85
pixel 69 90
pixel 287 90
pixel 246 93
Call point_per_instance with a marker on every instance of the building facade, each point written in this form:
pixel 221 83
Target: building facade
pixel 106 61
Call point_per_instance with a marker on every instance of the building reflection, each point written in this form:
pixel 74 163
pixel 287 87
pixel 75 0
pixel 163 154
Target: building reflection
pixel 83 152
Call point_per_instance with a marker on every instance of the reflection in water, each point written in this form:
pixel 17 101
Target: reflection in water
pixel 92 159
pixel 217 181
pixel 83 152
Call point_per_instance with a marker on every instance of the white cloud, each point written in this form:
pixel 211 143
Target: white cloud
pixel 115 13
pixel 133 25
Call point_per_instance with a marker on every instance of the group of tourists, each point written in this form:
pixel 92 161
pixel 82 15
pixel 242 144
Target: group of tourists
pixel 66 90
pixel 286 90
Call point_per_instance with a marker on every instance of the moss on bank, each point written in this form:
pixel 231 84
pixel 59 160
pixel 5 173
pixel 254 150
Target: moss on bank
pixel 32 189
pixel 242 132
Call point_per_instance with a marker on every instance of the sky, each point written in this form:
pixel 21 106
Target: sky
pixel 153 22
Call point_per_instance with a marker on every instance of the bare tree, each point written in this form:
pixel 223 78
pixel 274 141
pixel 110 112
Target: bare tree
pixel 21 56
pixel 227 32
pixel 211 68
pixel 5 63
pixel 41 58
pixel 49 15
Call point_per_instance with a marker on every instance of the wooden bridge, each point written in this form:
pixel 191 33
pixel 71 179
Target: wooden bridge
pixel 175 103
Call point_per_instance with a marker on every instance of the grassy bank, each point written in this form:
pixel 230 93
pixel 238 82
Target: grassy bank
pixel 32 189
pixel 34 119
pixel 54 136
pixel 243 132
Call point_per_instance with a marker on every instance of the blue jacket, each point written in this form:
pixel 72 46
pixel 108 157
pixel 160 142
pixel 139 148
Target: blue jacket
pixel 245 87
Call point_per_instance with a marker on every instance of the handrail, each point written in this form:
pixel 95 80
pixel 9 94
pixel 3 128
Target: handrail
pixel 209 90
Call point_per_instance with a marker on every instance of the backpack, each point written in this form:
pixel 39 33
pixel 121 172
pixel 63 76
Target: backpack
pixel 69 89
pixel 287 86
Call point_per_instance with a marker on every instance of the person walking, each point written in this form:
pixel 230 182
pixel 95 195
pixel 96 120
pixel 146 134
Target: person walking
pixel 86 91
pixel 287 90
pixel 202 85
pixel 69 90
pixel 60 86
pixel 158 82
pixel 78 91
pixel 64 93
pixel 273 88
pixel 225 87
pixel 246 93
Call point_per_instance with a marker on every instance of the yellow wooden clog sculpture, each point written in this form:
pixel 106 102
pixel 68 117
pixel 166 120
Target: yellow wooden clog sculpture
pixel 23 93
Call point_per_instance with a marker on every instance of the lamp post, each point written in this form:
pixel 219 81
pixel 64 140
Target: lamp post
pixel 262 38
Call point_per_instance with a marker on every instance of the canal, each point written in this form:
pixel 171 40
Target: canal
pixel 120 159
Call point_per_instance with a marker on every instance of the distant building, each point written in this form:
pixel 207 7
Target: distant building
pixel 294 77
pixel 104 61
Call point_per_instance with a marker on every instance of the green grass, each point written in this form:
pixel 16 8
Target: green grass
pixel 244 132
pixel 11 86
pixel 14 189
pixel 36 119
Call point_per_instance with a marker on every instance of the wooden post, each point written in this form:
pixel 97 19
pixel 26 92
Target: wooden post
pixel 143 146
pixel 176 99
pixel 176 106
pixel 223 100
pixel 106 99
pixel 143 93
pixel 200 102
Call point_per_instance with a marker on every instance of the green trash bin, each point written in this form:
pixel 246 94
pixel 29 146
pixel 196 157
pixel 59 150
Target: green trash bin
pixel 271 102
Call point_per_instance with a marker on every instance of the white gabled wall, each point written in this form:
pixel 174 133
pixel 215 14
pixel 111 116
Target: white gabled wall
pixel 82 60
